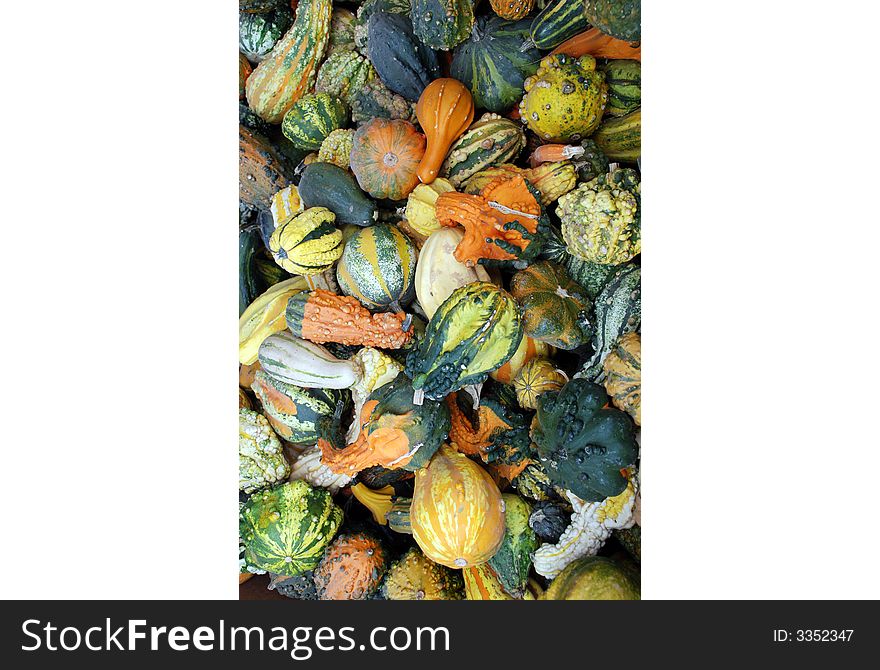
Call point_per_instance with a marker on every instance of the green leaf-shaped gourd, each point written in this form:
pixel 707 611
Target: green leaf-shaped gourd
pixel 474 331
pixel 582 444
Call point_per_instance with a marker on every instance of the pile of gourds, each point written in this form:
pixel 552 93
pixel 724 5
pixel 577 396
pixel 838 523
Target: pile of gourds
pixel 440 298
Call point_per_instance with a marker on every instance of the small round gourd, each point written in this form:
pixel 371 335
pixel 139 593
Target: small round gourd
pixel 352 568
pixel 378 266
pixel 385 157
pixel 538 376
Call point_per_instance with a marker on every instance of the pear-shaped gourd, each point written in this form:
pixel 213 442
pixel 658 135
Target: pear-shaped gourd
pixel 445 110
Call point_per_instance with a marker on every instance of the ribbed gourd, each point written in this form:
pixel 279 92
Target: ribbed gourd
pixel 474 331
pixel 404 63
pixel 623 375
pixel 288 71
pixel 377 267
pixel 285 529
pixel 312 118
pixel 441 24
pixel 489 141
pixel 308 244
pixel 538 376
pixel 564 99
pixel 457 512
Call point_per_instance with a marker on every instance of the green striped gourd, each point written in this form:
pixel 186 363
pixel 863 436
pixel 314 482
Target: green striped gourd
pixel 288 72
pixel 293 411
pixel 344 74
pixel 490 141
pixel 378 266
pixel 624 79
pixel 619 138
pixel 557 22
pixel 258 33
pixel 311 118
pixel 441 24
pixel 618 310
pixel 474 331
pixel 285 529
pixel 302 363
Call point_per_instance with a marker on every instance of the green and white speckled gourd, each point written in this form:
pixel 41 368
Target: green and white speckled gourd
pixel 618 310
pixel 491 140
pixel 303 363
pixel 591 525
pixel 309 468
pixel 261 459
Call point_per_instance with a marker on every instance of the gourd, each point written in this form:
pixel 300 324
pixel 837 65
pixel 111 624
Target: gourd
pixel 416 577
pixel 621 138
pixel 262 171
pixel 379 502
pixel 261 460
pixel 307 244
pixel 420 212
pixel 538 376
pixel 258 33
pixel 285 529
pixel 593 578
pixel 497 433
pixel 438 273
pixel 534 483
pixel 512 561
pixel 303 363
pixel 474 331
pixel 489 141
pixel 395 433
pixel 512 9
pixel 457 512
pixel 366 10
pixel 623 375
pixel 503 224
pixel 398 517
pixel 403 62
pixel 378 369
pixel 256 6
pixel 385 157
pixel 481 583
pixel 551 180
pixel 378 266
pixel 343 74
pixel 555 309
pixel 618 18
pixel 601 219
pixel 249 244
pixel 322 316
pixel 311 118
pixel 618 310
pixel 624 79
pixel 528 349
pixel 445 109
pixel 631 540
pixel 288 72
pixel 376 100
pixel 327 185
pixel 341 38
pixel 583 444
pixel 294 412
pixel 308 468
pixel 557 22
pixel 352 567
pixel 441 24
pixel 265 317
pixel 493 62
pixel 595 43
pixel 244 71
pixel 284 205
pixel 564 99
pixel 336 149
pixel 300 587
pixel 548 520
pixel 244 401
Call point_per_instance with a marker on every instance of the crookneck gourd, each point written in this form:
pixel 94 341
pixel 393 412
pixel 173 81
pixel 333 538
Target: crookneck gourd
pixel 555 309
pixel 445 109
pixel 457 512
pixel 474 331
pixel 583 444
pixel 395 432
pixel 322 316
pixel 564 99
pixel 503 224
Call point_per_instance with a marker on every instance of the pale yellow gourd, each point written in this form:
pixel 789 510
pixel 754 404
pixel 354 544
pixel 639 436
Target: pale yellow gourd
pixel 438 273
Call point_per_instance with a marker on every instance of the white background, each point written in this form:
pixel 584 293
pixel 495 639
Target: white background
pixel 119 290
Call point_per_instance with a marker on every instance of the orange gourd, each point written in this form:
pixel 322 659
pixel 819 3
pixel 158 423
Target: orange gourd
pixel 512 9
pixel 457 513
pixel 599 45
pixel 385 157
pixel 444 110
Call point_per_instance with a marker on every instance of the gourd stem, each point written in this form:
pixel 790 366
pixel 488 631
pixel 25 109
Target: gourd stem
pixel 528 44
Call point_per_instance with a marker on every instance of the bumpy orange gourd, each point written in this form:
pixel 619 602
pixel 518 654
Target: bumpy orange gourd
pixel 512 9
pixel 457 513
pixel 483 222
pixel 352 568
pixel 445 109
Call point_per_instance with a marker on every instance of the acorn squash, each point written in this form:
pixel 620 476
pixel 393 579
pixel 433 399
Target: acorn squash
pixel 307 244
pixel 474 331
pixel 327 185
